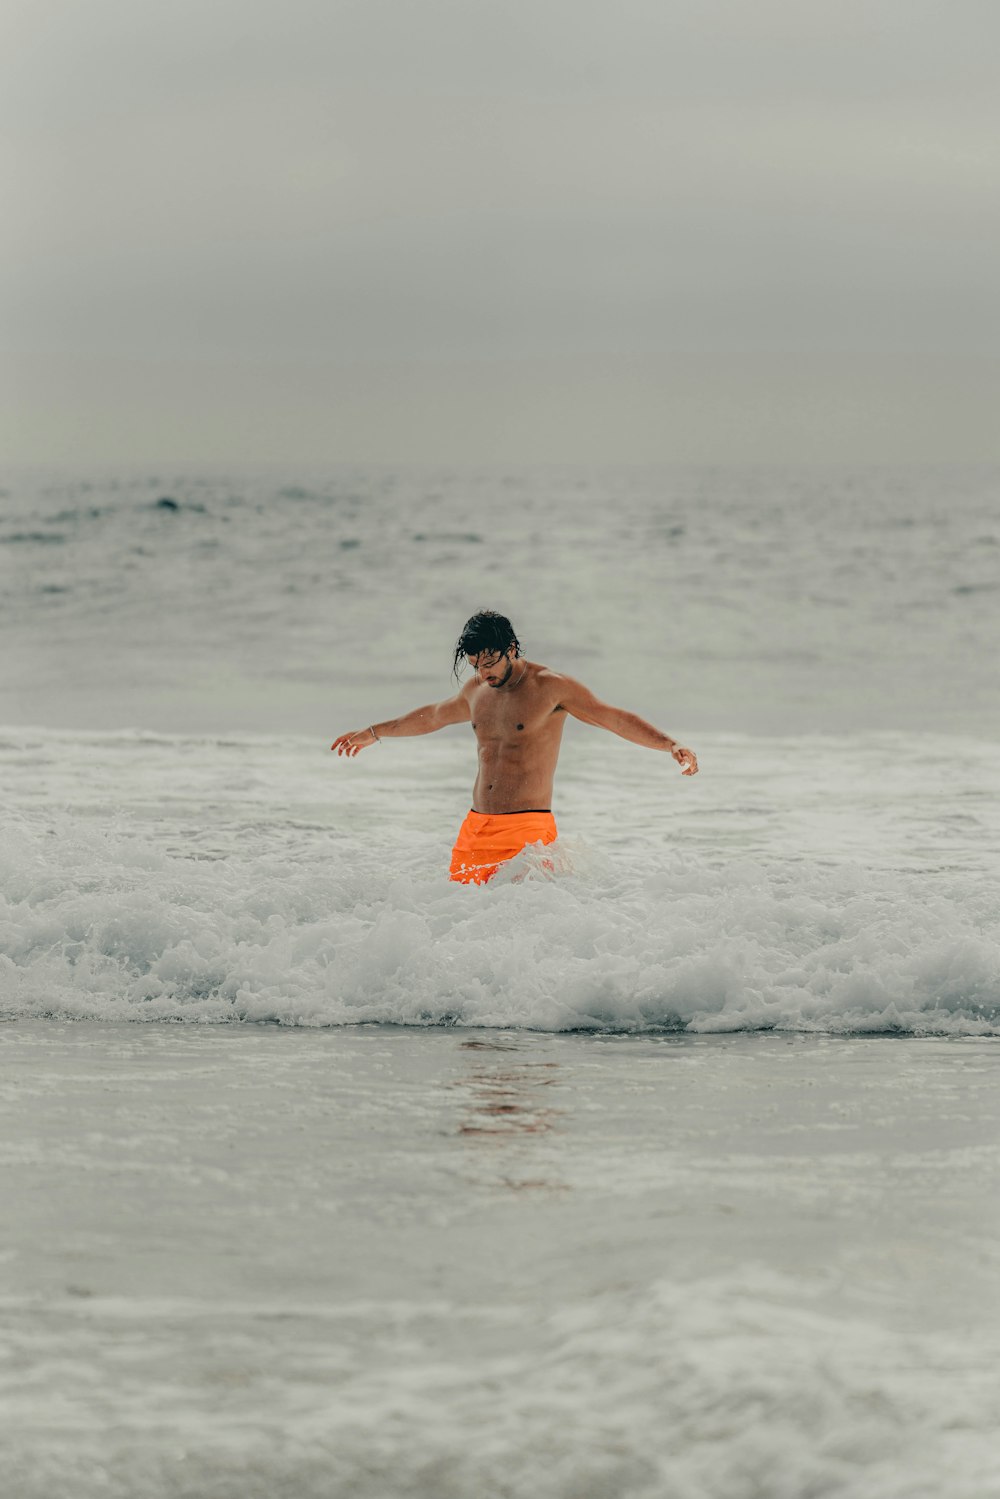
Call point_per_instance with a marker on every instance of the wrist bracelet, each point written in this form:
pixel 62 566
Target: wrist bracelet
pixel 371 730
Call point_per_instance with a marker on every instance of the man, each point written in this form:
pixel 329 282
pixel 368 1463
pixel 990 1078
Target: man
pixel 517 710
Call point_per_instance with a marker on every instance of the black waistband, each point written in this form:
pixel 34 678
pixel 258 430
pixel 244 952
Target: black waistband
pixel 522 812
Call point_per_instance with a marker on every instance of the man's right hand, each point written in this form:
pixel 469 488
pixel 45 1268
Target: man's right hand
pixel 353 744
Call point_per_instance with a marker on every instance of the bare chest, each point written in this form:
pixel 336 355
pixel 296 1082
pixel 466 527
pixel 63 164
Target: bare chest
pixel 512 718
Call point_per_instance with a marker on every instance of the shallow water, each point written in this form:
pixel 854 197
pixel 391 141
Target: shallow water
pixel 248 1262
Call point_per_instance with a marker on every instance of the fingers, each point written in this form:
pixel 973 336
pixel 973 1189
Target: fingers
pixel 345 745
pixel 687 760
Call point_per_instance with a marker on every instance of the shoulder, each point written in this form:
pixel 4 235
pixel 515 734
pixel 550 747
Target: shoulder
pixel 560 687
pixel 545 678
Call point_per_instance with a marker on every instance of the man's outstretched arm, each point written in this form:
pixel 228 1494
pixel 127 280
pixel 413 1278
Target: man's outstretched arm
pixel 582 704
pixel 421 721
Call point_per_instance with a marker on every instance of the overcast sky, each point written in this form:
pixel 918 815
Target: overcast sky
pixel 502 229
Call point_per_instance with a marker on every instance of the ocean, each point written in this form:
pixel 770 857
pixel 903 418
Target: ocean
pixel 667 1166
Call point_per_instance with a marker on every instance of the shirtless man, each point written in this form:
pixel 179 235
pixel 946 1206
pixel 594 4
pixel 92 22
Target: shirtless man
pixel 517 710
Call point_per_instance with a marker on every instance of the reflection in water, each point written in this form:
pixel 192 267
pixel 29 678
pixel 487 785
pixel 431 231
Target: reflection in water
pixel 508 1100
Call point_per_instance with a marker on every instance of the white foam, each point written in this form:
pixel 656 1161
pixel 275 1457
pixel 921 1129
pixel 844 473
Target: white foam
pixel 797 884
pixel 99 923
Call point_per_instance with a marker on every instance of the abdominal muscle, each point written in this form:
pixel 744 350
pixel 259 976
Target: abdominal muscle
pixel 517 777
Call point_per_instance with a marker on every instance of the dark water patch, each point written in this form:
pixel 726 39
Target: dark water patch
pixel 43 538
pixel 966 588
pixel 350 543
pixel 170 506
pixel 55 588
pixel 88 512
pixel 449 537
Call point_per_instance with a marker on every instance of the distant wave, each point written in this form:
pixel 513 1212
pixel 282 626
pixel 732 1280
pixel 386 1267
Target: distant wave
pixel 99 924
pixel 772 600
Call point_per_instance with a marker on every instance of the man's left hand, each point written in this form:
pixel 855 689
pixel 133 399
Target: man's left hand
pixel 686 759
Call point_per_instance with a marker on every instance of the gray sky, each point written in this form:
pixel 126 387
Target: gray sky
pixel 466 230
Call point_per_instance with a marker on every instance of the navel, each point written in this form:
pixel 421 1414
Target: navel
pixel 520 725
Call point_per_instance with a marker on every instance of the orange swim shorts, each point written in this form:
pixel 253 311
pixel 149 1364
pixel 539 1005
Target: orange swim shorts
pixel 485 842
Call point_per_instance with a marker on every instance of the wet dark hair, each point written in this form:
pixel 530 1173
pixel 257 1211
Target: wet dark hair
pixel 486 631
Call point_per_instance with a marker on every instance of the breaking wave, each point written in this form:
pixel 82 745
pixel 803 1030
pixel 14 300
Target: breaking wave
pixel 100 923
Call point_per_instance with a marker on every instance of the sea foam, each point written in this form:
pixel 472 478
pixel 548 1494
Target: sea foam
pixel 97 922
